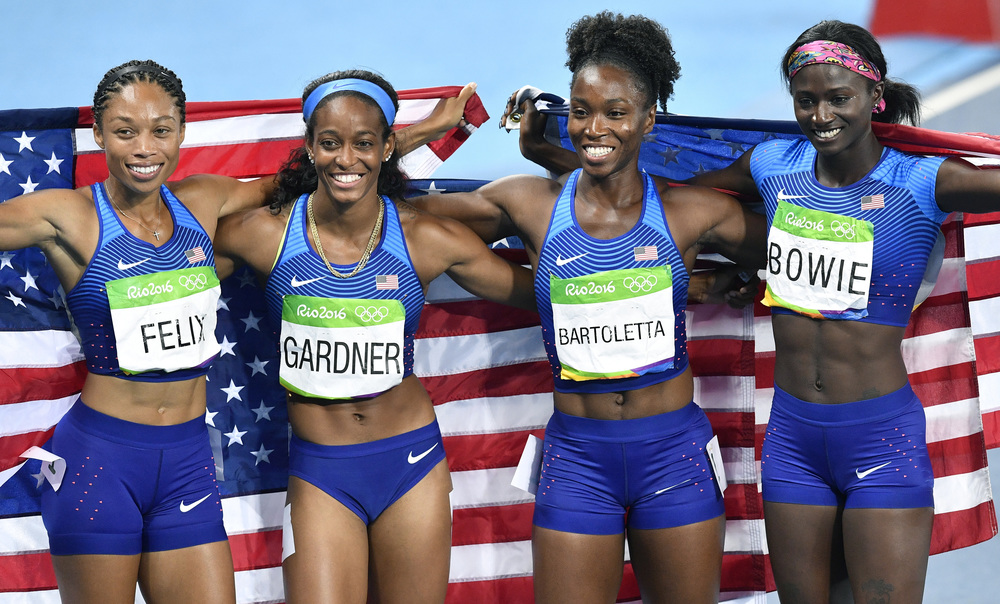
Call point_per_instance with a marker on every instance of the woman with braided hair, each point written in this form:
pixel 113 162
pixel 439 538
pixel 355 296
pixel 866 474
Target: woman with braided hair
pixel 626 450
pixel 139 501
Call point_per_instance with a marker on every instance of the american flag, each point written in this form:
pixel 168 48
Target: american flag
pixel 873 202
pixel 485 369
pixel 387 282
pixel 195 254
pixel 646 252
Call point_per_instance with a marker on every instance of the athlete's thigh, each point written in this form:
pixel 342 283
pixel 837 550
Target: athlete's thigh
pixel 682 564
pixel 576 568
pixel 96 578
pixel 202 573
pixel 410 549
pixel 330 562
pixel 803 543
pixel 886 552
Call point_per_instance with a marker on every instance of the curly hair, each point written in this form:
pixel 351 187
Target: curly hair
pixel 636 44
pixel 902 101
pixel 298 175
pixel 117 78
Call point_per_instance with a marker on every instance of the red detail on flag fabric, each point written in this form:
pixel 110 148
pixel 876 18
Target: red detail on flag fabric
pixel 476 316
pixel 27 571
pixel 20 384
pixel 957 455
pixel 261 549
pixel 13 445
pixel 977 21
pixel 952 529
pixel 492 524
pixel 487 451
pixel 523 378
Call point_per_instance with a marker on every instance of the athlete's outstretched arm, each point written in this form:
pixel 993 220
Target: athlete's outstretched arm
pixel 489 210
pixel 962 187
pixel 448 114
pixel 735 177
pixel 442 245
pixel 721 223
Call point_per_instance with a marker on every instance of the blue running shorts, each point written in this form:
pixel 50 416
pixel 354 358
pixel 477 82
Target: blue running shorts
pixel 864 454
pixel 131 488
pixel 368 477
pixel 599 476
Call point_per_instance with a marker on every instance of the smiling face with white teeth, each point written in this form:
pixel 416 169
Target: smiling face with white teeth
pixel 141 132
pixel 348 147
pixel 833 107
pixel 608 117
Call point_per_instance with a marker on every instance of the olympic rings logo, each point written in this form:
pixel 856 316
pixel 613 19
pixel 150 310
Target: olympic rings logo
pixel 198 281
pixel 371 313
pixel 844 230
pixel 640 283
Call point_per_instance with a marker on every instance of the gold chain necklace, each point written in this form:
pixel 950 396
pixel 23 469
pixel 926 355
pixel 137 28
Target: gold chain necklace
pixel 368 250
pixel 155 232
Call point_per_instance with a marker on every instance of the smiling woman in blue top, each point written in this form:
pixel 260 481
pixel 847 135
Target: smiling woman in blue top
pixel 612 249
pixel 347 263
pixel 135 256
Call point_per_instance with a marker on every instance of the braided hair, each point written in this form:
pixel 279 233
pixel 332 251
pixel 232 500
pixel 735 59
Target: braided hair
pixel 636 44
pixel 902 101
pixel 298 176
pixel 126 74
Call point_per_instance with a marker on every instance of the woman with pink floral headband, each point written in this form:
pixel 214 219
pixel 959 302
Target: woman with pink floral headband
pixel 847 482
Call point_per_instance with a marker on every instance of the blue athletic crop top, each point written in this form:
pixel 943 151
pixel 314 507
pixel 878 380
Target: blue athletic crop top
pixel 568 252
pixel 896 197
pixel 388 275
pixel 120 254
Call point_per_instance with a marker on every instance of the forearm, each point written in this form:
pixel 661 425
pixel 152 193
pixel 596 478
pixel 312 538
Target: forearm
pixel 556 160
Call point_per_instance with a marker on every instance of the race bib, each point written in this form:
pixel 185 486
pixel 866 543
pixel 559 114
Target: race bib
pixel 165 321
pixel 614 324
pixel 341 348
pixel 819 264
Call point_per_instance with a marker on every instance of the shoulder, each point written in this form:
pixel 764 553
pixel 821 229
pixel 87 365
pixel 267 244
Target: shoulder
pixel 522 185
pixel 200 190
pixel 692 197
pixel 257 223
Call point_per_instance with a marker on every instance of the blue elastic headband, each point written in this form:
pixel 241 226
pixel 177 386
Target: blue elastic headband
pixel 373 91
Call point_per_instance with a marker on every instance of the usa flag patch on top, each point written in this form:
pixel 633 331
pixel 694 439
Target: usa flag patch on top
pixel 646 252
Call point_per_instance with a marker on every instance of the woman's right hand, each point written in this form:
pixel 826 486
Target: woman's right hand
pixel 530 123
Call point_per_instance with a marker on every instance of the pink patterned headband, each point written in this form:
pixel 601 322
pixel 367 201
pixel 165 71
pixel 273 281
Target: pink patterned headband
pixel 834 53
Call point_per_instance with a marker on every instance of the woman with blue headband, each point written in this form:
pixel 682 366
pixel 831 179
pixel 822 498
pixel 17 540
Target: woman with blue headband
pixel 139 501
pixel 347 263
pixel 847 482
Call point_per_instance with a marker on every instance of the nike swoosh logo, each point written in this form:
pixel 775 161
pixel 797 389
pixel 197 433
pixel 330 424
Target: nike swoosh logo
pixel 188 507
pixel 672 487
pixel 415 458
pixel 782 196
pixel 122 266
pixel 870 470
pixel 297 283
pixel 560 261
